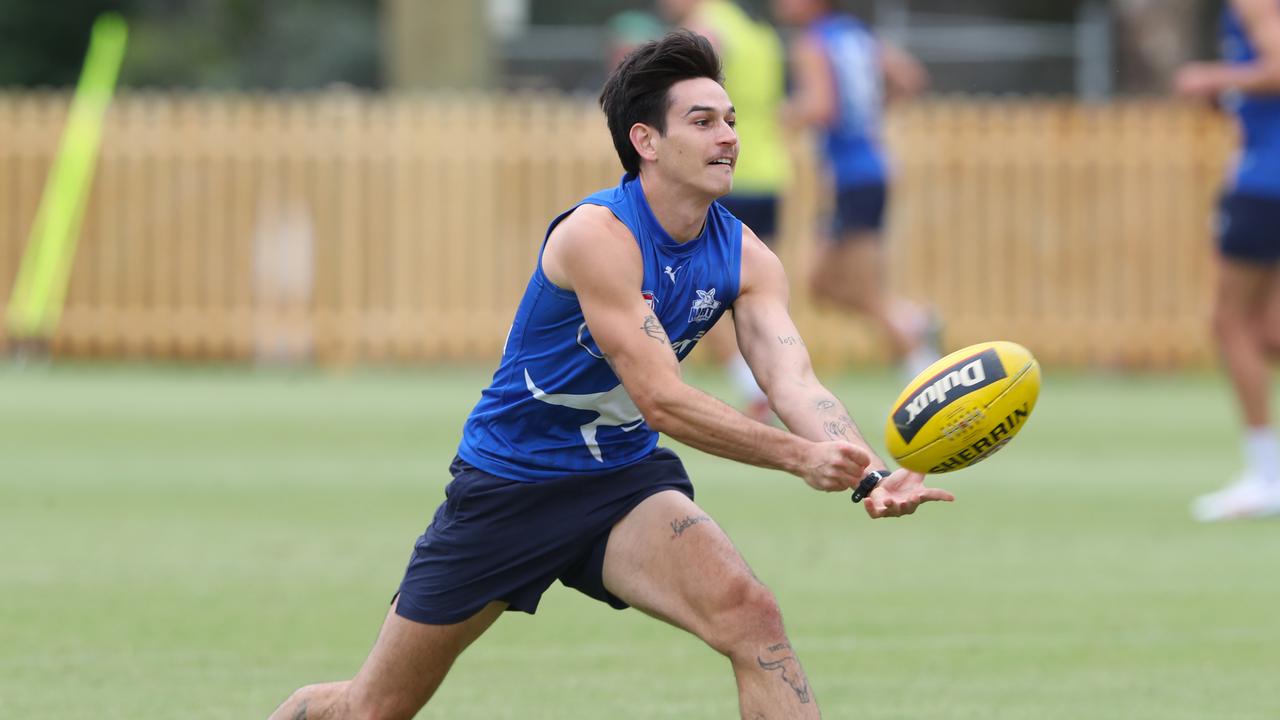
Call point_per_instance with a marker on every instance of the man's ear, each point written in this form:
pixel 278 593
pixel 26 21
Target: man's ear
pixel 643 139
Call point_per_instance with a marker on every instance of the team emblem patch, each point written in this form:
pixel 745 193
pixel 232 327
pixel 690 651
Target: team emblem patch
pixel 649 299
pixel 704 306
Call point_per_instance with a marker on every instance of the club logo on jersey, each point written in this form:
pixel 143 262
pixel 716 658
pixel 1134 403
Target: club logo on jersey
pixel 966 376
pixel 649 298
pixel 704 306
pixel 671 272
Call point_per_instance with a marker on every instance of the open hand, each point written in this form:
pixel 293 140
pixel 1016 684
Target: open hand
pixel 901 493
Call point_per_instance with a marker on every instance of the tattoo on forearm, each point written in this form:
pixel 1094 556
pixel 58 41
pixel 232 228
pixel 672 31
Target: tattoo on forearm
pixel 654 329
pixel 790 340
pixel 792 673
pixel 839 428
pixel 826 405
pixel 679 526
pixel 301 713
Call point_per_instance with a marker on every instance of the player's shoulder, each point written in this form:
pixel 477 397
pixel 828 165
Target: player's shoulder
pixel 760 265
pixel 593 229
pixel 751 243
pixel 590 239
pixel 590 223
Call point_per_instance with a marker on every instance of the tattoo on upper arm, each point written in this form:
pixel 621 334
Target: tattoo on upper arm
pixel 679 526
pixel 301 713
pixel 654 329
pixel 789 667
pixel 790 340
pixel 825 405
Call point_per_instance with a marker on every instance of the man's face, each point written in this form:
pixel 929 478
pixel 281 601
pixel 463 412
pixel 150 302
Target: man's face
pixel 700 148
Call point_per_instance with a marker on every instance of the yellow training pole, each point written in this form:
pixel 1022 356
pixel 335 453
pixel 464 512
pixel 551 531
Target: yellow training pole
pixel 41 284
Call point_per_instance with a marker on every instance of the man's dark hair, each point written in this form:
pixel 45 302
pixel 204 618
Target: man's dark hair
pixel 637 91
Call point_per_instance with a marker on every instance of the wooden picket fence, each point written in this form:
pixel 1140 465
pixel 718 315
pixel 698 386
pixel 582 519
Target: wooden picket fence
pixel 348 228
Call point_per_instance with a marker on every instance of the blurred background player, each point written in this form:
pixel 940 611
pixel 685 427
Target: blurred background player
pixel 843 76
pixel 755 77
pixel 1246 315
pixel 627 31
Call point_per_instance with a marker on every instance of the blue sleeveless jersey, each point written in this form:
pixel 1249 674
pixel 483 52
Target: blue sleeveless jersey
pixel 555 407
pixel 1257 169
pixel 852 139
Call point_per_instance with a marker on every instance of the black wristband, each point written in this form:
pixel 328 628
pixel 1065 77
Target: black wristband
pixel 869 483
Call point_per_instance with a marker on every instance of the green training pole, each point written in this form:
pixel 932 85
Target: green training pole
pixel 41 284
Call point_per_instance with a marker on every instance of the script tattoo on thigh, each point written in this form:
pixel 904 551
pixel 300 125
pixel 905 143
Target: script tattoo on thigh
pixel 789 667
pixel 654 329
pixel 679 526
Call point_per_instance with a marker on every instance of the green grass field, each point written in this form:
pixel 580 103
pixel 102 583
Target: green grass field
pixel 197 543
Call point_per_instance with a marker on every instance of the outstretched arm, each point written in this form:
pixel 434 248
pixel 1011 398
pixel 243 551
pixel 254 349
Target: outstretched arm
pixel 813 101
pixel 904 76
pixel 594 255
pixel 1206 80
pixel 777 355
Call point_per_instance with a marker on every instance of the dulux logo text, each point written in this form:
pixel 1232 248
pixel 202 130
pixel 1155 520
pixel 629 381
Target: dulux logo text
pixel 960 379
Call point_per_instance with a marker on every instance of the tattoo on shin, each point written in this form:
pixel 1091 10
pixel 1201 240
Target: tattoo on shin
pixel 679 526
pixel 789 668
pixel 301 712
pixel 653 328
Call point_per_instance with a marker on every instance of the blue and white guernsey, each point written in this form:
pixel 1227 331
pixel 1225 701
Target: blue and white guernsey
pixel 852 138
pixel 1257 169
pixel 555 407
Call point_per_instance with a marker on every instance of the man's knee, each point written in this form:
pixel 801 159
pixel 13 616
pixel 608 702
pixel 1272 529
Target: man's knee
pixel 746 618
pixel 1231 320
pixel 313 701
pixel 343 700
pixel 383 707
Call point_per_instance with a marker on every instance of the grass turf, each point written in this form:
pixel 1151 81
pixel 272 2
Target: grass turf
pixel 197 543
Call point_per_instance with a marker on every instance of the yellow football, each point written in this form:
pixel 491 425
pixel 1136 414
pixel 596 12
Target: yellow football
pixel 963 408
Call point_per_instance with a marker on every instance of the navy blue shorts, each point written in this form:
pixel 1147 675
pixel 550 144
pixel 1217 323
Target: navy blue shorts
pixel 1249 227
pixel 500 539
pixel 758 212
pixel 859 208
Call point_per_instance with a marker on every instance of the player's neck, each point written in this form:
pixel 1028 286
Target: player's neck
pixel 680 212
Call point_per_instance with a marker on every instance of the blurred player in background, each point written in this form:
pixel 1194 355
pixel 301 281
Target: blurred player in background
pixel 755 77
pixel 626 31
pixel 843 76
pixel 559 475
pixel 1246 314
